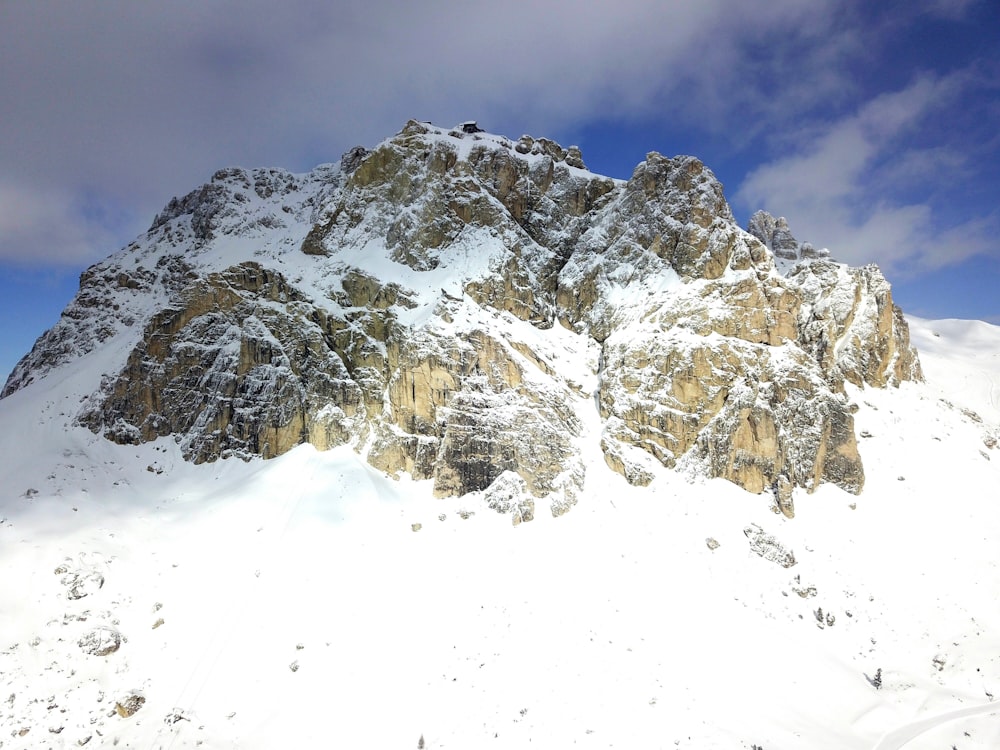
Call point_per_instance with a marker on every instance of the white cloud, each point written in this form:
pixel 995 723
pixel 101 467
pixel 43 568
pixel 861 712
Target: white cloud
pixel 136 102
pixel 48 227
pixel 838 189
pixel 952 9
pixel 140 101
pixel 308 69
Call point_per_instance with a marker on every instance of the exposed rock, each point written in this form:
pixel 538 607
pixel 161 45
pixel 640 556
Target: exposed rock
pixel 778 238
pixel 721 403
pixel 81 583
pixel 349 161
pixel 524 512
pixel 783 496
pixel 129 704
pixel 617 457
pixel 101 641
pixel 767 547
pixel 404 301
pixel 850 325
pixel 805 592
pixel 218 372
pixel 574 158
pixel 509 494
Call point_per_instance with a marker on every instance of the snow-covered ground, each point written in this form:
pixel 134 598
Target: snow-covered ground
pixel 291 603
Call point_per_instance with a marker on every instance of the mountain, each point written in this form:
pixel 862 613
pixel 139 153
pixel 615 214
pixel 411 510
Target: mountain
pixel 470 309
pixel 250 482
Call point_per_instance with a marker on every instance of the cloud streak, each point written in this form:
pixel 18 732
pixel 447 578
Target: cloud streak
pixel 837 187
pixel 48 227
pixel 125 104
pixel 137 101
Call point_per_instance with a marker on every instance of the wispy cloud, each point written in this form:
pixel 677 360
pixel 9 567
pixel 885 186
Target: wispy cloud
pixel 863 186
pixel 136 102
pixel 145 100
pixel 951 9
pixel 48 227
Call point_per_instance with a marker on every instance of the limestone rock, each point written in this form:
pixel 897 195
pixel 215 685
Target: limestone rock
pixel 129 704
pixel 509 494
pixel 229 373
pixel 350 161
pixel 778 238
pixel 766 546
pixel 100 641
pixel 455 305
pixel 574 158
pixel 749 413
pixel 850 325
pixel 614 445
pixel 783 496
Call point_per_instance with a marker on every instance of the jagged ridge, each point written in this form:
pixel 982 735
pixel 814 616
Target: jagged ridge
pixel 457 305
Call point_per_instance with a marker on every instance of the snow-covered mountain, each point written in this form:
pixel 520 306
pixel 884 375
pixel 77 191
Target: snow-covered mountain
pixel 782 535
pixel 453 305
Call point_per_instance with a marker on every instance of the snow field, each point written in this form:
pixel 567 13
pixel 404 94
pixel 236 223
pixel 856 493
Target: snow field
pixel 614 625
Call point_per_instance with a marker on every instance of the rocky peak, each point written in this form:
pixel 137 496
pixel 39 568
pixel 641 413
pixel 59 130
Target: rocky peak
pixel 350 161
pixel 460 306
pixel 774 233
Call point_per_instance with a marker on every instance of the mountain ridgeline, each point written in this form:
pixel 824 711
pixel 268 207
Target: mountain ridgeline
pixel 486 314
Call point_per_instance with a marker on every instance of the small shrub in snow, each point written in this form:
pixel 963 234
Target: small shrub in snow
pixel 876 681
pixel 174 716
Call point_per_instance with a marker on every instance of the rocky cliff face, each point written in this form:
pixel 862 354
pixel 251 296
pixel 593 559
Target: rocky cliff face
pixel 478 311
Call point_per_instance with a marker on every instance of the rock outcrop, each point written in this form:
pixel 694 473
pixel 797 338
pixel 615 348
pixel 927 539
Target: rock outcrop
pixel 774 233
pixel 453 303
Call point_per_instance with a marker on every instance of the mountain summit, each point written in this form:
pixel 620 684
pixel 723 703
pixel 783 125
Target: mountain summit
pixel 486 313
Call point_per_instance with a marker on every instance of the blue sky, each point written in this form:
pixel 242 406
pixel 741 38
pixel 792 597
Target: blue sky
pixel 874 128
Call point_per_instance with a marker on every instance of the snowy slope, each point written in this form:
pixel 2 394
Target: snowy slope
pixel 314 601
pixel 299 607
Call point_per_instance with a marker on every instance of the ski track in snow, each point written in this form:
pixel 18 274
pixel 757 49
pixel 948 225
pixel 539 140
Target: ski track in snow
pixel 899 738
